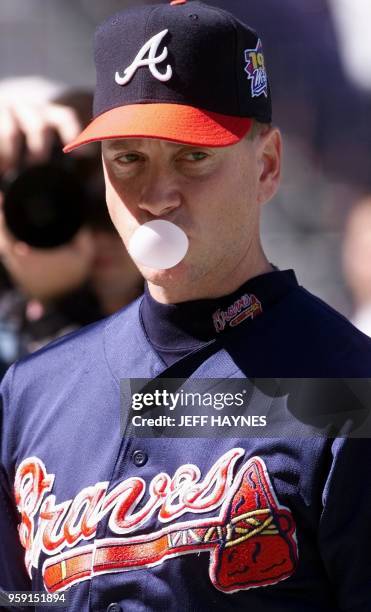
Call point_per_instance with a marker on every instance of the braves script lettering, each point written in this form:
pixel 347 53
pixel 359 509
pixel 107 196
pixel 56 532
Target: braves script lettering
pixel 150 47
pixel 248 510
pixel 248 306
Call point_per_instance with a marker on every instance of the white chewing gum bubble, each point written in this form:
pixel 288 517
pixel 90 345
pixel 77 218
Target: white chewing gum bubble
pixel 158 244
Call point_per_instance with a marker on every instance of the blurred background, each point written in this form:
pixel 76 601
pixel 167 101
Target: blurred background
pixel 318 54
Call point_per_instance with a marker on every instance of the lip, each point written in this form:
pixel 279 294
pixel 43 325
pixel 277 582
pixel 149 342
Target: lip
pixel 168 218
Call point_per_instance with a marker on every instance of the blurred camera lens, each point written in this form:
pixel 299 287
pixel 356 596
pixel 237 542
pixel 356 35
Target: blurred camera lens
pixel 45 206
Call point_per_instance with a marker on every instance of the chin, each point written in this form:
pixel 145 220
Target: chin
pixel 164 278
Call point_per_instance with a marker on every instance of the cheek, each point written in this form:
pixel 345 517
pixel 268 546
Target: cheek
pixel 118 210
pixel 112 194
pixel 114 203
pixel 237 200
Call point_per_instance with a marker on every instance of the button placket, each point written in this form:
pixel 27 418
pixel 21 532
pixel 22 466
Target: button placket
pixel 139 458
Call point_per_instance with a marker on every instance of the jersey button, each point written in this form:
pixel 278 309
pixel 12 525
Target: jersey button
pixel 140 458
pixel 113 607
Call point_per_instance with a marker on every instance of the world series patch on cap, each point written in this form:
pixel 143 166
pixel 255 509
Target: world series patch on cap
pixel 185 72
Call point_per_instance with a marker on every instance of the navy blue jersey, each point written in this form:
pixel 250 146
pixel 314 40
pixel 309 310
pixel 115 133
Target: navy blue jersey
pixel 267 524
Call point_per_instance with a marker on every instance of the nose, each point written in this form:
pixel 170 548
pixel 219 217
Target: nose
pixel 160 196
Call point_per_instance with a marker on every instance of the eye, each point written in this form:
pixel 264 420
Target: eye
pixel 195 156
pixel 128 158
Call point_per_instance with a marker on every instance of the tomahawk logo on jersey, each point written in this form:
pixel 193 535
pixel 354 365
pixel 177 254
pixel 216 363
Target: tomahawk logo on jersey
pixel 251 539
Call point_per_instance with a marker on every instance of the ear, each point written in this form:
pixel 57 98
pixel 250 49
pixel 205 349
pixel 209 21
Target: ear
pixel 269 145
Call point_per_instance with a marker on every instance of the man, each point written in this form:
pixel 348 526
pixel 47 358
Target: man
pixel 57 241
pixel 116 521
pixel 47 250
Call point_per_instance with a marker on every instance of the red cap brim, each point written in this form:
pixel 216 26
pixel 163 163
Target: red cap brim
pixel 174 122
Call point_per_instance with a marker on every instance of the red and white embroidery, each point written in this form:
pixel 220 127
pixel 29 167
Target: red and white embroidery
pixel 251 541
pixel 247 306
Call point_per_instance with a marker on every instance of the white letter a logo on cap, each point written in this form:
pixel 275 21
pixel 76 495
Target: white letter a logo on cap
pixel 150 47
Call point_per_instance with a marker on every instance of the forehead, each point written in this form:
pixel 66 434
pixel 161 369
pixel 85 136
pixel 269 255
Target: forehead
pixel 141 143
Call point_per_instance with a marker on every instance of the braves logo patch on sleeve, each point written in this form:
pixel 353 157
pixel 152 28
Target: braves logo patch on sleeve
pixel 251 539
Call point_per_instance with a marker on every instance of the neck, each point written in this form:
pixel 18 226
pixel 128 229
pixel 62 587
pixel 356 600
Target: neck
pixel 217 286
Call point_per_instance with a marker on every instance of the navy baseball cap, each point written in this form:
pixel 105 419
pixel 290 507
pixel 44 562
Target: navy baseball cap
pixel 185 72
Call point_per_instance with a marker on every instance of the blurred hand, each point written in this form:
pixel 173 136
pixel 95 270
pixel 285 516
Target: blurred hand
pixel 31 117
pixel 36 126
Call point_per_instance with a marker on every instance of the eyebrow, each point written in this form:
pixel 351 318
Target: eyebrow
pixel 120 144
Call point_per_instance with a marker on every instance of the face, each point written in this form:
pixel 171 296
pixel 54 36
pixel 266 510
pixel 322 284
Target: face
pixel 213 194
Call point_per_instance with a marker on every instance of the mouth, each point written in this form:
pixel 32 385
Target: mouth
pixel 171 218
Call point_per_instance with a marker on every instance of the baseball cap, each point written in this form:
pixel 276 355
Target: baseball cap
pixel 184 71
